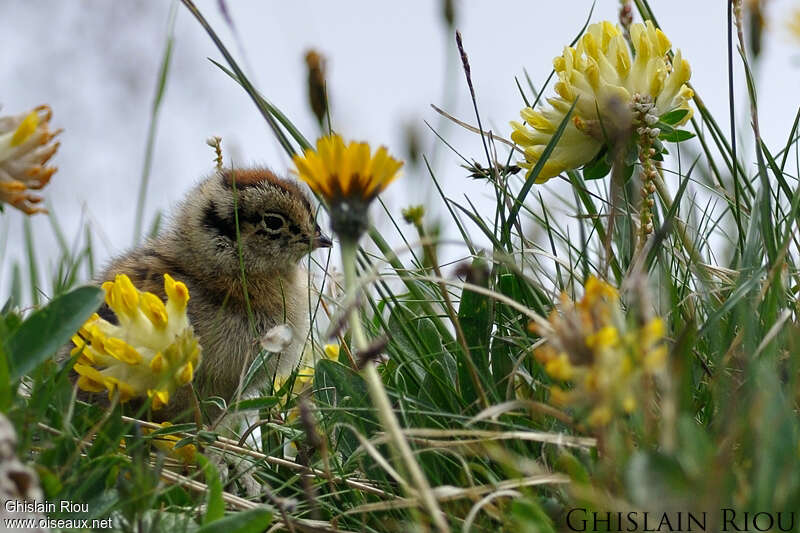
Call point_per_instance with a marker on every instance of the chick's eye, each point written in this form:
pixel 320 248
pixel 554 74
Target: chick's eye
pixel 274 222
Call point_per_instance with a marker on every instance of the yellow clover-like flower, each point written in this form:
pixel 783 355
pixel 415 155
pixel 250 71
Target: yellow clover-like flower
pixel 25 148
pixel 592 346
pixel 149 354
pixel 600 73
pixel 348 177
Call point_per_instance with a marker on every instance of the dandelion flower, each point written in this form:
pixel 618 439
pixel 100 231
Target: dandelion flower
pixel 152 351
pixel 604 79
pixel 592 346
pixel 25 148
pixel 348 177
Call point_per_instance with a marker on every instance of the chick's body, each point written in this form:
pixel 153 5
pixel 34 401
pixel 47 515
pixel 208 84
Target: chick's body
pixel 276 228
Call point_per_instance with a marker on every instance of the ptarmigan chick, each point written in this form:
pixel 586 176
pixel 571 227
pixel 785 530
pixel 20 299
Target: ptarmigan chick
pixel 276 227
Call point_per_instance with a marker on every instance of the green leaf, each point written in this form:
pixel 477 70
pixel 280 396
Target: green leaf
pixel 474 314
pixel 528 517
pixel 49 328
pixel 674 116
pixel 344 382
pixel 508 284
pixel 676 136
pixel 631 154
pixel 216 402
pixel 338 386
pixel 430 337
pixel 252 404
pixel 215 506
pixel 175 428
pixel 697 450
pixel 571 466
pixel 654 476
pixel 406 342
pixel 596 169
pixel 185 441
pixel 6 387
pixel 252 521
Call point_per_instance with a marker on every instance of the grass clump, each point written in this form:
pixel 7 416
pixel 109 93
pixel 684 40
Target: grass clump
pixel 628 349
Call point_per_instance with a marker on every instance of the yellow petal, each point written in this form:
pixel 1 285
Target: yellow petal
pixel 122 351
pixel 25 129
pixel 154 309
pixel 176 292
pixel 560 368
pixel 157 363
pixel 185 374
pixel 160 398
pixel 600 416
pixel 332 351
pixel 126 391
pixel 90 379
pixel 559 397
pixel 124 298
pixel 629 404
pixel 606 337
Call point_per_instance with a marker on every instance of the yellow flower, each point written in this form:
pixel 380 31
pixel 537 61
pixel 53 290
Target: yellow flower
pixel 348 177
pixel 152 351
pixel 593 346
pixel 559 397
pixel 600 416
pixel 606 337
pixel 595 290
pixel 25 148
pixel 305 371
pixel 560 368
pixel 166 443
pixel 305 374
pixel 601 74
pixel 650 338
pixel 337 171
pixel 332 351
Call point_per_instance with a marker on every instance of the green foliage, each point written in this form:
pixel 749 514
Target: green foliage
pixel 718 428
pixel 28 347
pixel 252 521
pixel 215 506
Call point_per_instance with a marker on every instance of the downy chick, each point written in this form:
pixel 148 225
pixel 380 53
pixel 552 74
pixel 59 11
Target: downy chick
pixel 276 227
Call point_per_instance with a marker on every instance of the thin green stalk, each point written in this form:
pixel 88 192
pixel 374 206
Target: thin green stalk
pixel 680 227
pixel 33 269
pixel 151 129
pixel 381 399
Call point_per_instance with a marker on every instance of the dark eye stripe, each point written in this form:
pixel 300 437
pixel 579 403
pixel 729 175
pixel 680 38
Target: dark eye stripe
pixel 214 222
pixel 249 218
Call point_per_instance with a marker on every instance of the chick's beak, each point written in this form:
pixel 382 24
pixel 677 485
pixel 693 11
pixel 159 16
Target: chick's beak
pixel 322 241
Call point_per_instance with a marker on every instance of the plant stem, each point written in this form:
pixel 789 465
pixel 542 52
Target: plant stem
pixel 380 398
pixel 151 129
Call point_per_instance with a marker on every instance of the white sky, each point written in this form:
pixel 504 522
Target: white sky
pixel 95 62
